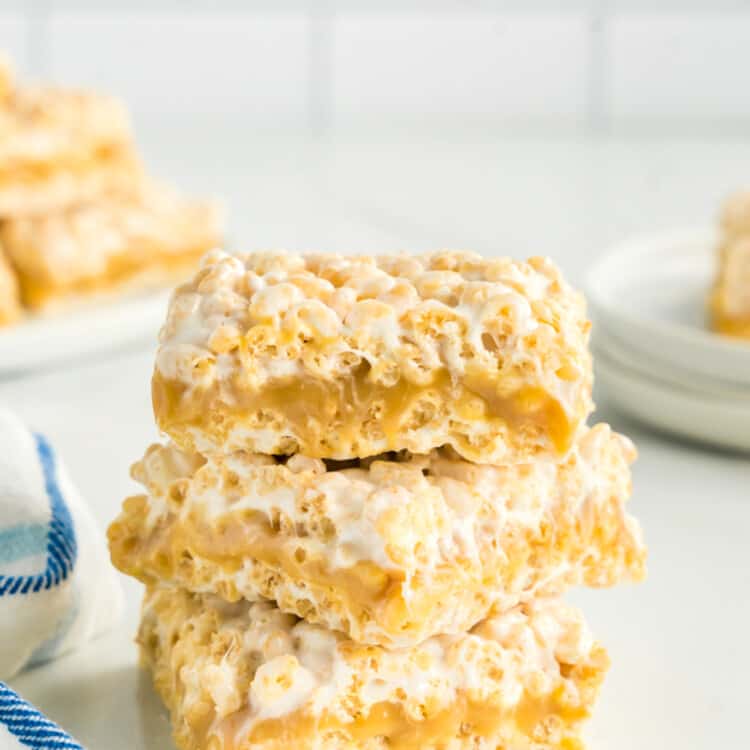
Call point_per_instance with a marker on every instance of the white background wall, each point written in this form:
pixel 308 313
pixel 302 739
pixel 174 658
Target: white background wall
pixel 326 66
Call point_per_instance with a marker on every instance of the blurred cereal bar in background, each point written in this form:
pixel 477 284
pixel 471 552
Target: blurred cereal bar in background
pixel 79 218
pixel 6 77
pixel 148 235
pixel 730 300
pixel 58 146
pixel 10 307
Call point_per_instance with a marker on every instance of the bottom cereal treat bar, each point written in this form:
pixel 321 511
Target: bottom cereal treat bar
pixel 142 236
pixel 10 307
pixel 390 550
pixel 249 677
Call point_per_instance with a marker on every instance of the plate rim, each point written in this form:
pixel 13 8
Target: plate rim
pixel 618 352
pixel 723 438
pixel 99 327
pixel 639 245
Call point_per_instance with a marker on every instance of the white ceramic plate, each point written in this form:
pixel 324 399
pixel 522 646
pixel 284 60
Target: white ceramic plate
pixel 617 353
pixel 650 294
pixel 92 328
pixel 724 422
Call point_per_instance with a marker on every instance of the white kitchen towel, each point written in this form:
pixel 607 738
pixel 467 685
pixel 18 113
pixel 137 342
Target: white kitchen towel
pixel 57 586
pixel 22 727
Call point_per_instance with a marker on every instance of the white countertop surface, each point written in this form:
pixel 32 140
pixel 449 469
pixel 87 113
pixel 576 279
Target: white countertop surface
pixel 680 642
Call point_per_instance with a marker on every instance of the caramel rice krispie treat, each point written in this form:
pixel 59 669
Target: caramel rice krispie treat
pixel 389 550
pixel 730 299
pixel 146 235
pixel 249 677
pixel 58 146
pixel 10 306
pixel 345 357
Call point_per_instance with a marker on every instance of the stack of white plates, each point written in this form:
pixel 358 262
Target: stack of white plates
pixel 654 354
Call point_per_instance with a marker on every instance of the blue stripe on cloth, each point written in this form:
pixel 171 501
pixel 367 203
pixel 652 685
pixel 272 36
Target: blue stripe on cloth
pixel 62 549
pixel 23 540
pixel 30 727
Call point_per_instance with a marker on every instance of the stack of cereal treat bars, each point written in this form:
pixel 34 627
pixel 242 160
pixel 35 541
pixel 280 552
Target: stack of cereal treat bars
pixel 79 217
pixel 379 480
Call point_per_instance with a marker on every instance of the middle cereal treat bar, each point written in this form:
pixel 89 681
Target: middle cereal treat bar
pixel 347 357
pixel 389 551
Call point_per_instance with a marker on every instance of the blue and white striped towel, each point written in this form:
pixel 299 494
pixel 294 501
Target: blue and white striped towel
pixel 57 587
pixel 22 727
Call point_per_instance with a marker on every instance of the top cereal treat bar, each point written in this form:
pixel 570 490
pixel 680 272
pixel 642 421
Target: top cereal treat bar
pixel 346 357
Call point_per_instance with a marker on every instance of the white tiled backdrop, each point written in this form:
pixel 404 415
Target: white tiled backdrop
pixel 327 65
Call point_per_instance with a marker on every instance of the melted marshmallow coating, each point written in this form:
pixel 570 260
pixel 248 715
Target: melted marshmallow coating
pixel 346 357
pixel 248 677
